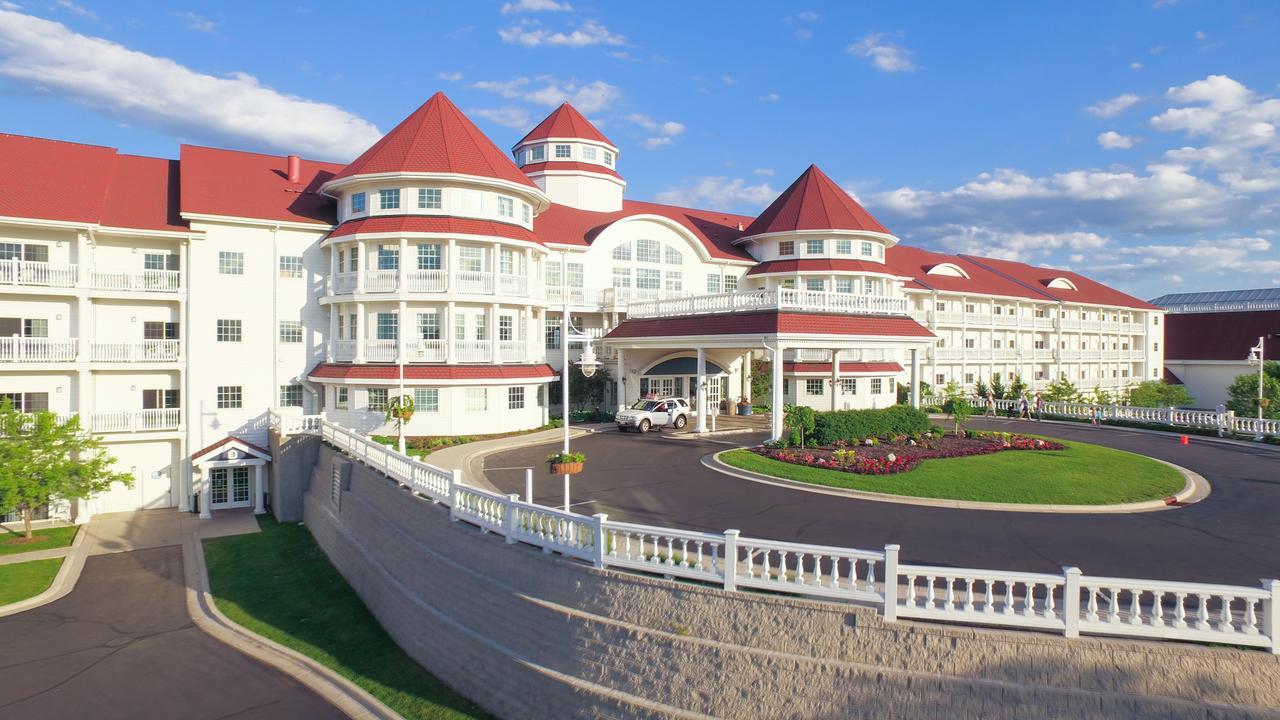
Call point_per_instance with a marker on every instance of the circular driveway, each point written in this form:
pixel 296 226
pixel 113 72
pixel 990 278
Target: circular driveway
pixel 1233 536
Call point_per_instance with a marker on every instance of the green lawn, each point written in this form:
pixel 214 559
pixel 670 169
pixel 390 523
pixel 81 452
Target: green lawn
pixel 20 581
pixel 1083 474
pixel 12 541
pixel 279 584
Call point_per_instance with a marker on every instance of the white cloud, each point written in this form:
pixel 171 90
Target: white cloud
pixel 1164 3
pixel 1200 35
pixel 1015 245
pixel 1135 66
pixel 139 88
pixel 545 90
pixel 772 97
pixel 521 6
pixel 196 22
pixel 1220 256
pixel 1112 140
pixel 507 116
pixel 450 76
pixel 720 193
pixel 586 34
pixel 1114 106
pixel 75 9
pixel 727 80
pixel 663 132
pixel 882 53
pixel 656 142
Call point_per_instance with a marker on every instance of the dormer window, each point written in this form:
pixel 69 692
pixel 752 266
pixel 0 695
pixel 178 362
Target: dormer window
pixel 866 249
pixel 526 213
pixel 389 199
pixel 506 207
pixel 815 247
pixel 562 152
pixel 537 153
pixel 787 247
pixel 844 247
pixel 880 251
pixel 608 158
pixel 357 202
pixel 589 153
pixel 429 199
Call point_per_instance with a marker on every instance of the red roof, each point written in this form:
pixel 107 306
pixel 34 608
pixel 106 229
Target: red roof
pixel 772 322
pixel 1218 335
pixel 916 263
pixel 814 202
pixel 565 225
pixel 433 224
pixel 565 122
pixel 845 367
pixel 225 441
pixel 819 265
pixel 336 371
pixel 1038 278
pixel 436 138
pixel 143 194
pixel 569 165
pixel 251 185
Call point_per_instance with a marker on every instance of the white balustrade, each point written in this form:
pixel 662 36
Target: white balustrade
pixel 513 285
pixel 678 553
pixel 808 569
pixel 424 350
pixel 380 350
pixel 427 280
pixel 512 350
pixel 471 351
pixel 136 280
pixel 344 350
pixel 37 349
pixel 567 533
pixel 25 272
pixel 381 280
pixel 134 421
pixel 479 507
pixel 769 299
pixel 986 597
pixel 136 351
pixel 468 281
pixel 344 282
pixel 1178 611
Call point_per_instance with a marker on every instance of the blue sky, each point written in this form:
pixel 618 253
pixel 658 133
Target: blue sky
pixel 1135 142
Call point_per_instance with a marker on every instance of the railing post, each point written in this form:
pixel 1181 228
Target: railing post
pixel 730 560
pixel 891 583
pixel 528 485
pixel 455 482
pixel 1271 615
pixel 512 517
pixel 601 550
pixel 1071 602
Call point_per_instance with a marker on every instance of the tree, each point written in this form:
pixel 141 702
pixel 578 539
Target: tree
pixel 1243 393
pixel 42 458
pixel 904 392
pixel 997 387
pixel 1157 393
pixel 960 411
pixel 980 389
pixel 1062 390
pixel 1017 387
pixel 1100 396
pixel 800 419
pixel 761 381
pixel 952 390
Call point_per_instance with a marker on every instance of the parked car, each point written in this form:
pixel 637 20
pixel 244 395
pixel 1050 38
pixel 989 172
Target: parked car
pixel 646 414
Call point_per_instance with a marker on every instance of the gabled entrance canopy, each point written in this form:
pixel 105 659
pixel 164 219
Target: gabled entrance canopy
pixel 232 473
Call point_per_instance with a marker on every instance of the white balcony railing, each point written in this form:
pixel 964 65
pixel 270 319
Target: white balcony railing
pixel 135 420
pixel 136 280
pixel 473 282
pixel 427 280
pixel 619 297
pixel 344 350
pixel 380 350
pixel 574 296
pixel 770 299
pixel 24 272
pixel 37 349
pixel 344 282
pixel 469 351
pixel 425 350
pixel 381 280
pixel 512 350
pixel 136 351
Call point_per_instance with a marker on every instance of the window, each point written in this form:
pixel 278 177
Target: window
pixel 388 257
pixel 788 283
pixel 1040 375
pixel 506 328
pixel 429 256
pixel 526 213
pixel 787 247
pixel 849 386
pixel 608 158
pixel 552 325
pixel 844 285
pixel 866 249
pixel 230 263
pixel 506 207
pixel 968 308
pixel 551 274
pixel 970 343
pixel 460 326
pixel 481 328
pixel 290 266
pixel 430 199
pixel 562 152
pixel 1039 345
pixel 28 327
pixel 940 379
pixel 507 262
pixel 352 326
pixel 426 400
pixel 389 199
pixel 291 395
pixel 229 331
pixel 844 247
pixel 713 284
pixel 160 261
pixel 815 284
pixel 515 398
pixel 357 202
pixel 730 283
pixel 880 251
pixel 968 378
pixel 996 344
pixel 1040 313
pixel 1155 319
pixel 159 399
pixel 340 397
pixel 429 326
pixel 647 279
pixel 622 277
pixel 376 400
pixel 27 402
pixel 588 153
pixel 672 256
pixel 388 326
pixel 675 281
pixel 940 306
pixel 290 331
pixel 471 259
pixel 230 396
pixel 1156 347
pixel 576 275
pixel 815 247
pixel 477 399
pixel 877 386
pixel 159 330
pixel 814 386
pixel 537 153
pixel 648 251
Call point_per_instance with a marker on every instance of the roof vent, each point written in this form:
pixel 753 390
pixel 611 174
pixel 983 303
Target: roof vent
pixel 295 168
pixel 740 226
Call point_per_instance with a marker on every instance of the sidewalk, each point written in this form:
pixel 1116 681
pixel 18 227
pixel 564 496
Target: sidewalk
pixel 469 458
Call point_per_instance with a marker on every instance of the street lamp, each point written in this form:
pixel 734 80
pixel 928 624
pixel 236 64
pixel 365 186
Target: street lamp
pixel 587 362
pixel 1257 356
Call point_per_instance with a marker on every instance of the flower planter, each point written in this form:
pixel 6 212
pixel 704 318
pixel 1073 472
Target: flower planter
pixel 744 409
pixel 566 468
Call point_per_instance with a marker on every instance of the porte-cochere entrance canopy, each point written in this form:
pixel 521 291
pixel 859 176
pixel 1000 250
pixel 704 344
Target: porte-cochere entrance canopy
pixel 777 320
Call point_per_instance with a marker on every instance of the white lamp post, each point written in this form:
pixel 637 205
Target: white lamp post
pixel 1257 356
pixel 587 362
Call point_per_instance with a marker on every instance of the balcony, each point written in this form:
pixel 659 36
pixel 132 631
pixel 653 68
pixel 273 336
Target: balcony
pixel 782 299
pixel 24 272
pixel 135 420
pixel 37 349
pixel 432 281
pixel 617 298
pixel 151 281
pixel 136 351
pixel 435 351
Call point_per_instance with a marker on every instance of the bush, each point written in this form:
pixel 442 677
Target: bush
pixel 857 424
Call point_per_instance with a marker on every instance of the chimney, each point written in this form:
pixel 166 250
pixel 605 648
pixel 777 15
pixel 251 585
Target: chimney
pixel 740 226
pixel 295 168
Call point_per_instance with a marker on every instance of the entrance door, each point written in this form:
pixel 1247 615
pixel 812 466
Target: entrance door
pixel 229 488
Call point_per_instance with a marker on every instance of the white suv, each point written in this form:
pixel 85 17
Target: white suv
pixel 647 414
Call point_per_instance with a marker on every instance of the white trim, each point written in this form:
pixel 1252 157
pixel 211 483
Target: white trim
pixel 872 234
pixel 411 234
pixel 416 382
pixel 235 443
pixel 542 202
pixel 236 220
pixel 587 141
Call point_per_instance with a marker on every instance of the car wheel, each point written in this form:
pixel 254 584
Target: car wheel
pixel 681 421
pixel 644 426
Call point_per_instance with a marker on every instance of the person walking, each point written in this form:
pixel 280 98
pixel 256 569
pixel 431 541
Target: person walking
pixel 991 404
pixel 1024 408
pixel 1095 416
pixel 1039 407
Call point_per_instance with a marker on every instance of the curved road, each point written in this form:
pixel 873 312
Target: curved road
pixel 1233 536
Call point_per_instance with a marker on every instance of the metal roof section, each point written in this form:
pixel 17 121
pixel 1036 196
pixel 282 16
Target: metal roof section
pixel 1259 299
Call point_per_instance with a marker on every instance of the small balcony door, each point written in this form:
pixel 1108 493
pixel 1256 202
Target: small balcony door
pixel 230 487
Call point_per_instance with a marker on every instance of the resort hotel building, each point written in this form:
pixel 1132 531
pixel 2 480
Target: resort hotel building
pixel 171 303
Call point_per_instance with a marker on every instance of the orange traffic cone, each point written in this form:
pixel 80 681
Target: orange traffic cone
pixel 1183 440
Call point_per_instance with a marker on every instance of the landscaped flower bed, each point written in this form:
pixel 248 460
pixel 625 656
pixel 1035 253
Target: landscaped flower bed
pixel 904 454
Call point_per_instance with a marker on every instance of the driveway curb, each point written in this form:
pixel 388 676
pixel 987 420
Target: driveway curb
pixel 1194 489
pixel 1173 434
pixel 63 583
pixel 340 692
pixel 467 458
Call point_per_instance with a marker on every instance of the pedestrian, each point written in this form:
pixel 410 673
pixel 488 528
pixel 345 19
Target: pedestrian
pixel 991 404
pixel 1095 417
pixel 1024 409
pixel 1039 407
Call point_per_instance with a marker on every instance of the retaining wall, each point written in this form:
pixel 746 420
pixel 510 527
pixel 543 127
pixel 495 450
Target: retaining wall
pixel 527 634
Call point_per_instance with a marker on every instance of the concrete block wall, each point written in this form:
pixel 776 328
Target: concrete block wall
pixel 524 633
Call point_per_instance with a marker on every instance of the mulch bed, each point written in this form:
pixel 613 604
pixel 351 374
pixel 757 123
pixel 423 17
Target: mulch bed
pixel 903 455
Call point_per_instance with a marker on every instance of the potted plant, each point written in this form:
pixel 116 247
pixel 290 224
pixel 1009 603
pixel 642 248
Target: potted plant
pixel 400 408
pixel 744 406
pixel 565 463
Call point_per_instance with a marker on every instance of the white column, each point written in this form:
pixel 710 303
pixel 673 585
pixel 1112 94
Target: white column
pixel 361 267
pixel 915 377
pixel 359 329
pixel 495 347
pixel 402 265
pixel 450 265
pixel 528 271
pixel 835 378
pixel 620 381
pixel 83 266
pixel 402 325
pixel 497 257
pixel 529 353
pixel 702 391
pixel 260 483
pixel 84 328
pixel 746 376
pixel 206 494
pixel 333 267
pixel 330 345
pixel 450 353
pixel 775 410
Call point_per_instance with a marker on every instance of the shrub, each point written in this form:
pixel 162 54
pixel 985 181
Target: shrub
pixel 857 424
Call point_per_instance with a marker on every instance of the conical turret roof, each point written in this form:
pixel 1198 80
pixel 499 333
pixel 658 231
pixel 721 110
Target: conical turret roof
pixel 814 202
pixel 565 122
